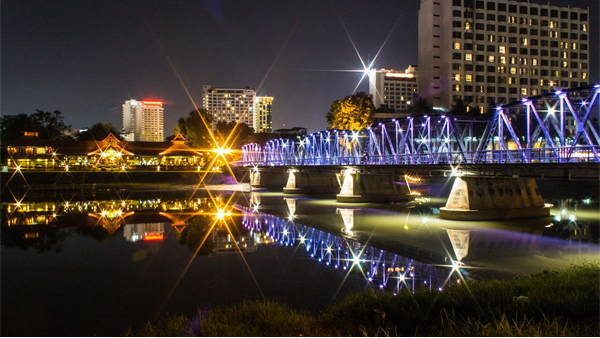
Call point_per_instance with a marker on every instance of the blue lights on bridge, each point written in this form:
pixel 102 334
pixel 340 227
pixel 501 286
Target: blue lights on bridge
pixel 556 127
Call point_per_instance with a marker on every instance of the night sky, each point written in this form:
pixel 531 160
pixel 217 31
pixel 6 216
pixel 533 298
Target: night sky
pixel 85 58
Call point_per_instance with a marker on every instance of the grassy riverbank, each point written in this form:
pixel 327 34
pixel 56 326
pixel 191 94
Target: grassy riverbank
pixel 556 303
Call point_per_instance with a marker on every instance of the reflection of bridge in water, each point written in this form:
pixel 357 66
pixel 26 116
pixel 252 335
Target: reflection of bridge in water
pixel 381 269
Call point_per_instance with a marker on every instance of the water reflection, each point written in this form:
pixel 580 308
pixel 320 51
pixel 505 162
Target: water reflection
pixel 381 269
pixel 393 246
pixel 203 224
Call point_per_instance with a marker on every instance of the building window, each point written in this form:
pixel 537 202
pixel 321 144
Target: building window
pixel 469 57
pixel 456 45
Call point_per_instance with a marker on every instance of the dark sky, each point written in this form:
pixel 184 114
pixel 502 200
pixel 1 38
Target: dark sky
pixel 85 58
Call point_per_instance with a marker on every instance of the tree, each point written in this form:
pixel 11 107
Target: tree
pixel 11 126
pixel 196 127
pixel 354 112
pixel 49 125
pixel 99 131
pixel 420 107
pixel 461 108
pixel 235 134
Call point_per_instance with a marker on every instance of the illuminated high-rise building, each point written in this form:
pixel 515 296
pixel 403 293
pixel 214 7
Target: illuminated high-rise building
pixel 229 104
pixel 263 108
pixel 393 89
pixel 143 121
pixel 499 51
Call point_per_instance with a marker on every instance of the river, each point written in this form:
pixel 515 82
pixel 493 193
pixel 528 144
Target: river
pixel 98 263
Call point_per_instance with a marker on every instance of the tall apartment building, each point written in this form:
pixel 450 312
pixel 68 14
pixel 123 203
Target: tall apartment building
pixel 238 105
pixel 393 89
pixel 499 51
pixel 263 109
pixel 229 104
pixel 143 121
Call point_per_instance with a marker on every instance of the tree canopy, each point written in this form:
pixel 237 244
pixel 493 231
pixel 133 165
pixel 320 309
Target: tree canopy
pixel 49 125
pixel 461 108
pixel 195 129
pixel 420 107
pixel 235 134
pixel 354 112
pixel 99 131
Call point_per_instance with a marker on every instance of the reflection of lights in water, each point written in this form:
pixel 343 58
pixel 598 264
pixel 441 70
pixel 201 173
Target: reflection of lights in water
pixel 384 270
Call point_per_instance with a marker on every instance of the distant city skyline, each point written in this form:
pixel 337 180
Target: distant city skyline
pixel 86 60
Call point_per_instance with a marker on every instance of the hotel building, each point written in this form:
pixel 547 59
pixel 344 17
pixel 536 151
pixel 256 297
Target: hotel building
pixel 486 52
pixel 143 121
pixel 229 104
pixel 392 89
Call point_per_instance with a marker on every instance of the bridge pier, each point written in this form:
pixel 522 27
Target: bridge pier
pixel 480 198
pixel 261 178
pixel 371 187
pixel 311 182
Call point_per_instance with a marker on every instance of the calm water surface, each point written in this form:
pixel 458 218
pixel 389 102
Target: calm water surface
pixel 98 264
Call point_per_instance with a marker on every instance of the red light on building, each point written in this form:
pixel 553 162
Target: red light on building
pixel 152 103
pixel 153 238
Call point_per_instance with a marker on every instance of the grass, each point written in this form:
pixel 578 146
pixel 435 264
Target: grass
pixel 557 303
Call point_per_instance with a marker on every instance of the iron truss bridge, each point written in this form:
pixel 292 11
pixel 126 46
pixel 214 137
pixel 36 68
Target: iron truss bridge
pixel 556 127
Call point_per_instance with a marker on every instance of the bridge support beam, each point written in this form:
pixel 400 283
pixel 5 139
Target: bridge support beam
pixel 479 198
pixel 311 182
pixel 367 187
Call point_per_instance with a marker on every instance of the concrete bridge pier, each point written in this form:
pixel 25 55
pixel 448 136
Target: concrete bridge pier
pixel 311 182
pixel 262 178
pixel 486 198
pixel 373 187
pixel 255 179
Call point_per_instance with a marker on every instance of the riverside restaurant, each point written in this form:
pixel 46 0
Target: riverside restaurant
pixel 29 152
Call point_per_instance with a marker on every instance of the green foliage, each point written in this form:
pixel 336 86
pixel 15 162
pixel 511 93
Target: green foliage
pixel 457 326
pixel 171 326
pixel 354 112
pixel 257 319
pixel 559 303
pixel 420 107
pixel 461 108
pixel 196 127
pixel 49 125
pixel 99 131
pixel 233 135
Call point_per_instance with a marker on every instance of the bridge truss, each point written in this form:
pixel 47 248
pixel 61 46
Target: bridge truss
pixel 556 127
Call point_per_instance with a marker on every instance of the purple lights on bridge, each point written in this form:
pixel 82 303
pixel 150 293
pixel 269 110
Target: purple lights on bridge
pixel 556 127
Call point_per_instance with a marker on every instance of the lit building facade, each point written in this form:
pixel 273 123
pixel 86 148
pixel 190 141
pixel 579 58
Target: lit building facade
pixel 143 121
pixel 229 104
pixel 393 89
pixel 486 52
pixel 263 108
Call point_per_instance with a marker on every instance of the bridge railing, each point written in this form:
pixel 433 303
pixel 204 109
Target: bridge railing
pixel 578 154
